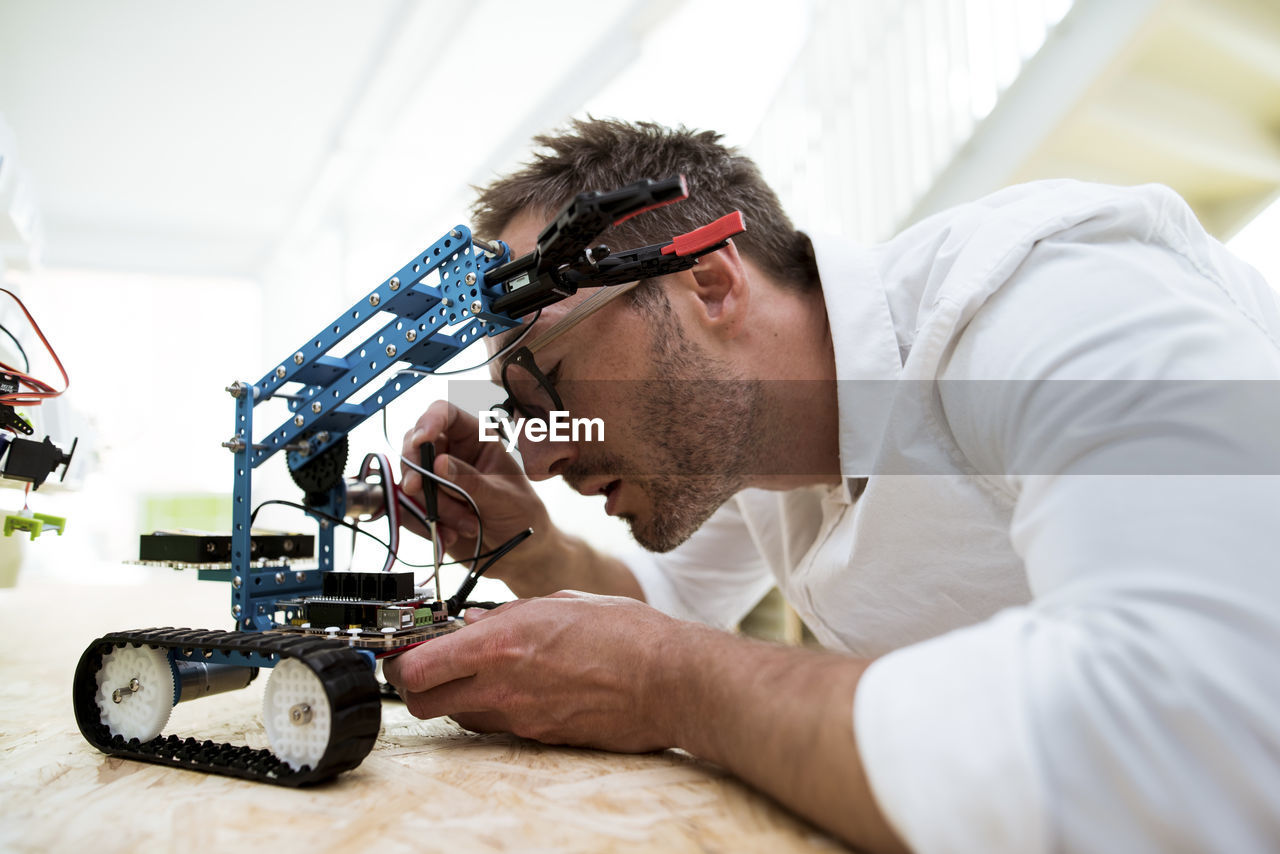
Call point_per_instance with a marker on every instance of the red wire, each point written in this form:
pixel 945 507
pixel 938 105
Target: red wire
pixel 42 390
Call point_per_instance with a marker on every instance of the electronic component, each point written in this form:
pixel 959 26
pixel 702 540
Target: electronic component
pixel 196 548
pixel 368 585
pixel 32 462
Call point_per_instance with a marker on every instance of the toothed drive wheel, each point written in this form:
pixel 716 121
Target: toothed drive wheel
pixel 296 714
pixel 135 691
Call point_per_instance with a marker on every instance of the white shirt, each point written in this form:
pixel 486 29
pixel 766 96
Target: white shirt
pixel 1072 587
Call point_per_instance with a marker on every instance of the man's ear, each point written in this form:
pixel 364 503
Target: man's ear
pixel 721 290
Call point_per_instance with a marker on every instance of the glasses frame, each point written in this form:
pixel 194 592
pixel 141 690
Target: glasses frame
pixel 524 356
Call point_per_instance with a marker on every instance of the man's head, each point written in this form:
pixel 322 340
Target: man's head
pixel 603 154
pixel 681 417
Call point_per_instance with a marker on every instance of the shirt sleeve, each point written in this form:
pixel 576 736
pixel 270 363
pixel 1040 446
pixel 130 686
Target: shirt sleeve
pixel 1134 705
pixel 714 577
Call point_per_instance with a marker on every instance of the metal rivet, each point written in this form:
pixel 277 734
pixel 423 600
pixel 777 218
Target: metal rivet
pixel 236 582
pixel 374 299
pixel 394 284
pixel 411 335
pixel 280 372
pixel 455 233
pixel 298 358
pixel 279 578
pixel 316 406
pixel 471 278
pixel 299 577
pixel 235 610
pixel 391 350
pixel 298 420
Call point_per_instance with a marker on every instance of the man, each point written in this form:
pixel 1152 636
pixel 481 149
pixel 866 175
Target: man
pixel 992 463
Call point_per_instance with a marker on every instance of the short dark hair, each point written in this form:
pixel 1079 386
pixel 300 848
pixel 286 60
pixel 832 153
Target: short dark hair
pixel 604 154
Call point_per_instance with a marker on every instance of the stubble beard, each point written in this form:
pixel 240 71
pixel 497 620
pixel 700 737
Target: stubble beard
pixel 701 425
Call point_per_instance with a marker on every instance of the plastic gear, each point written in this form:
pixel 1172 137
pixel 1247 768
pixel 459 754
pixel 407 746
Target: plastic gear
pixel 296 714
pixel 317 475
pixel 142 678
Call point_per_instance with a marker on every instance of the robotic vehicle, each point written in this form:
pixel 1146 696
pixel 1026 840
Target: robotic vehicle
pixel 320 630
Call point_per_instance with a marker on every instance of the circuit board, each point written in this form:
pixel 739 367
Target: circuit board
pixel 380 611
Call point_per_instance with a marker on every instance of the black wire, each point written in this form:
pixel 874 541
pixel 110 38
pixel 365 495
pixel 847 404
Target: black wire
pixel 457 600
pixel 458 489
pixel 359 530
pixel 26 363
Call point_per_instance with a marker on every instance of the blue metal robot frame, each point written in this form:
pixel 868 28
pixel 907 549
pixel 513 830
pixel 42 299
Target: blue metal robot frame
pixel 435 306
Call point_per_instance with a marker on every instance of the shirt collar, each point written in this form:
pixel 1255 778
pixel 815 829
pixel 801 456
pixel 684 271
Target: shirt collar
pixel 866 349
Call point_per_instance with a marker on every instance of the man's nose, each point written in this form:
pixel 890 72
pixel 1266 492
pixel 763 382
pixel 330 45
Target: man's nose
pixel 546 459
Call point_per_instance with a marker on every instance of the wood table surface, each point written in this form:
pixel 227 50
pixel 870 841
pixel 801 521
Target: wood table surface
pixel 427 785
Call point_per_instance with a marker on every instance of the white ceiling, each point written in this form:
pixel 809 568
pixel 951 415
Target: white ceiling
pixel 215 138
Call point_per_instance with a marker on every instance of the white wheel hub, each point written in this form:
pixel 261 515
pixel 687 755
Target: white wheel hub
pixel 135 691
pixel 296 714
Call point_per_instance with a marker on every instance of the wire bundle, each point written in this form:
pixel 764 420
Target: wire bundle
pixel 36 390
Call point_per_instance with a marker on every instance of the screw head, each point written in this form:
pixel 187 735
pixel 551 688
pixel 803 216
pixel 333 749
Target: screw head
pixel 476 307
pixel 279 578
pixel 411 335
pixel 298 420
pixel 235 610
pixel 455 233
pixel 298 358
pixel 394 284
pixel 280 372
pixel 391 350
pixel 316 406
pixel 374 299
pixel 471 278
pixel 236 582
pixel 299 577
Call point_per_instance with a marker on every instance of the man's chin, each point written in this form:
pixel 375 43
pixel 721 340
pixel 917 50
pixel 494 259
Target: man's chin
pixel 654 536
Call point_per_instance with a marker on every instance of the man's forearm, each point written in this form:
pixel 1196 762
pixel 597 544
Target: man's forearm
pixel 568 563
pixel 780 718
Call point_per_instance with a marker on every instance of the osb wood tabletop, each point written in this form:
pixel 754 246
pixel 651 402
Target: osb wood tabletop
pixel 427 785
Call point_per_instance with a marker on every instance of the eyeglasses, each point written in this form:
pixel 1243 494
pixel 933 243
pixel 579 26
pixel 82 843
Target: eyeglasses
pixel 530 392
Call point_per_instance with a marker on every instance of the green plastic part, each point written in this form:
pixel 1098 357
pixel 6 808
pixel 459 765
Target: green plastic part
pixel 33 524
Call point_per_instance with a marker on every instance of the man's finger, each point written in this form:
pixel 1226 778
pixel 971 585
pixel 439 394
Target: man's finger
pixel 482 721
pixel 456 655
pixel 460 696
pixel 477 614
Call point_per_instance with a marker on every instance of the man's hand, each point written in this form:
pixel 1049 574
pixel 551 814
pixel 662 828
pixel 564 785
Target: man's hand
pixel 491 476
pixel 612 673
pixel 571 668
pixel 547 561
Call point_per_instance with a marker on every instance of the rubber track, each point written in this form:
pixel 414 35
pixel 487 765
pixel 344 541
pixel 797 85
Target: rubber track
pixel 352 690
